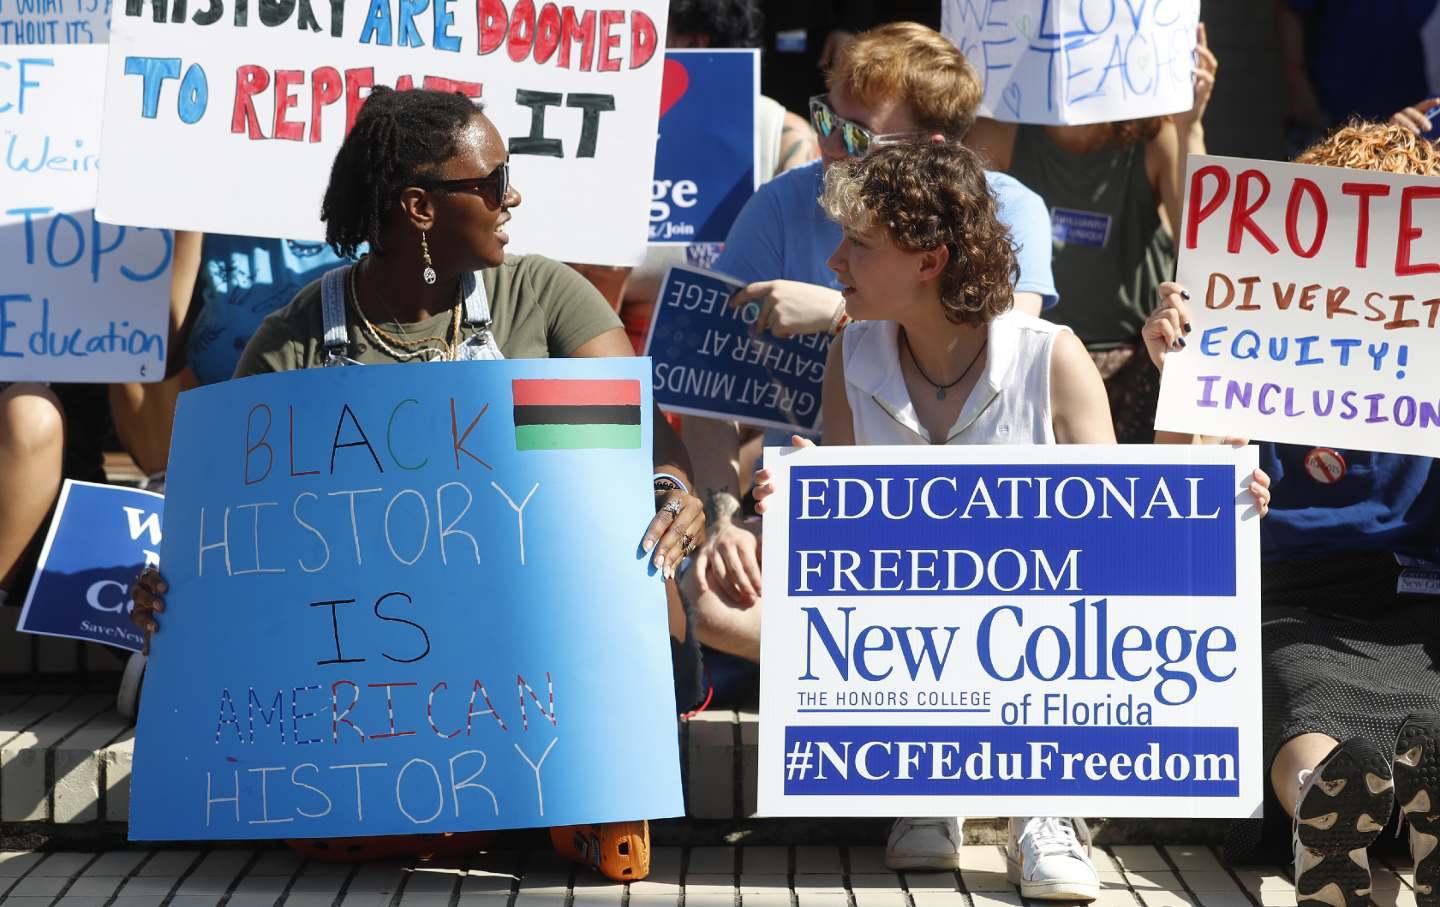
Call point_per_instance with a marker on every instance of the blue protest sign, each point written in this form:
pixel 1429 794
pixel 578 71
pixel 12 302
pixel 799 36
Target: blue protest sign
pixel 706 161
pixel 1011 630
pixel 408 599
pixel 708 361
pixel 100 538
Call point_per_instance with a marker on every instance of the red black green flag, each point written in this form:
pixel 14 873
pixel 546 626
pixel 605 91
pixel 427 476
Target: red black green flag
pixel 552 414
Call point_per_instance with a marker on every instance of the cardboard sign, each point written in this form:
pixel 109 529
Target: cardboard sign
pixel 1077 61
pixel 1314 307
pixel 707 159
pixel 79 300
pixel 100 538
pixel 227 119
pixel 968 630
pixel 54 21
pixel 708 361
pixel 409 599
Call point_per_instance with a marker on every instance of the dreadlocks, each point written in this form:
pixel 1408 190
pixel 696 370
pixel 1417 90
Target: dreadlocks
pixel 398 136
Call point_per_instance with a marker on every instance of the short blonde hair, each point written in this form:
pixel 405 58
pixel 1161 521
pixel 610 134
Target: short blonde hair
pixel 918 65
pixel 1378 147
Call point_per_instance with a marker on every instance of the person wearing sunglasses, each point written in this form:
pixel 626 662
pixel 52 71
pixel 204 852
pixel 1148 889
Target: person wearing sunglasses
pixel 423 180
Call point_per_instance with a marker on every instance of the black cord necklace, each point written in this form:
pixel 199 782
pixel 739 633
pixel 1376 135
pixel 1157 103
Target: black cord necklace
pixel 940 389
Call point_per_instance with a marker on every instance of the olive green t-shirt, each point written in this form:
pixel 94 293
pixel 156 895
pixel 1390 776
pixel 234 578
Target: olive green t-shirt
pixel 539 309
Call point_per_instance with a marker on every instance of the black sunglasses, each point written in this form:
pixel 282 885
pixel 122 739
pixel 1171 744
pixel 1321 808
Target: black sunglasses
pixel 492 188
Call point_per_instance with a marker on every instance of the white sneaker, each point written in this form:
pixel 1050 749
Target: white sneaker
pixel 925 843
pixel 1049 859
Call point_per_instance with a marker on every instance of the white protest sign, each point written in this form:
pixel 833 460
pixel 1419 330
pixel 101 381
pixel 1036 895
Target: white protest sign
pixel 1315 301
pixel 79 300
pixel 967 631
pixel 1077 61
pixel 226 118
pixel 54 21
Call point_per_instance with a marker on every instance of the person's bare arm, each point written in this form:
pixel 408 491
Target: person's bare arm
pixel 836 419
pixel 1029 303
pixel 798 144
pixel 1078 405
pixel 1180 136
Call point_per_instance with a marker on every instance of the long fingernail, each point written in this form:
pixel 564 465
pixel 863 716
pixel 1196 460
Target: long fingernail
pixel 1185 327
pixel 1184 294
pixel 647 545
pixel 659 562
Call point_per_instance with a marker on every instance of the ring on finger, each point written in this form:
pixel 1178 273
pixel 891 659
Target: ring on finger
pixel 673 507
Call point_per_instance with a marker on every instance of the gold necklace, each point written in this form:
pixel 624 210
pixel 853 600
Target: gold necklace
pixel 414 347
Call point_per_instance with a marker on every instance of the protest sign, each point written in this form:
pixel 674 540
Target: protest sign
pixel 707 158
pixel 707 360
pixel 1314 307
pixel 968 631
pixel 1055 62
pixel 220 121
pixel 79 300
pixel 54 22
pixel 100 538
pixel 408 599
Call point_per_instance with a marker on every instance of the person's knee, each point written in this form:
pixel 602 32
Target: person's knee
pixel 31 421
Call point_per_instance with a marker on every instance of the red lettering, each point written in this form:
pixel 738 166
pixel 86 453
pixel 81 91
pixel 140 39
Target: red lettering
pixel 249 81
pixel 389 709
pixel 405 83
pixel 440 83
pixel 326 87
pixel 338 717
pixel 522 30
pixel 547 33
pixel 1304 187
pixel 493 22
pixel 285 81
pixel 1409 232
pixel 1242 210
pixel 1198 213
pixel 609 41
pixel 583 30
pixel 1363 191
pixel 642 39
pixel 355 81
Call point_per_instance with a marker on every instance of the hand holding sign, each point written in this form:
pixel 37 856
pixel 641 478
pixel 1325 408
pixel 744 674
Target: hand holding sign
pixel 1206 66
pixel 765 482
pixel 791 307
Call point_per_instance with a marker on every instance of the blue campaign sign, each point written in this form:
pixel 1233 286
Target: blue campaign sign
pixel 706 161
pixel 1011 630
pixel 708 361
pixel 408 599
pixel 100 538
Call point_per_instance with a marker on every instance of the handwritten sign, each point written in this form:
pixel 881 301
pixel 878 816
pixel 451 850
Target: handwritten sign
pixel 707 159
pixel 79 300
pixel 54 21
pixel 100 538
pixel 1077 61
pixel 408 599
pixel 967 631
pixel 707 360
pixel 223 121
pixel 1315 308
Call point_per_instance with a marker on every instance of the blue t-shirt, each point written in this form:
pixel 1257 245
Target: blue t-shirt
pixel 1383 38
pixel 1383 503
pixel 243 279
pixel 782 233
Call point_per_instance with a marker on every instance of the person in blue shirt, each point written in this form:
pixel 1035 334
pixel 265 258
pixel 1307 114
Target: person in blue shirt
pixel 1350 594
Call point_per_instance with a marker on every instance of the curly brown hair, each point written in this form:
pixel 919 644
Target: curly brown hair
pixel 1128 132
pixel 924 195
pixel 1378 147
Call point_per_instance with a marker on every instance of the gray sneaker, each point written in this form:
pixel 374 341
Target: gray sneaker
pixel 1417 788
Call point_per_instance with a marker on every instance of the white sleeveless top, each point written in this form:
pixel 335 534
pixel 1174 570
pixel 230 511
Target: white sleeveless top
pixel 1010 403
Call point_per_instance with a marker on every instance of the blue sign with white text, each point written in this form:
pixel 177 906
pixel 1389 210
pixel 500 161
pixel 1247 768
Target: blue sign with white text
pixel 708 361
pixel 706 158
pixel 409 599
pixel 101 537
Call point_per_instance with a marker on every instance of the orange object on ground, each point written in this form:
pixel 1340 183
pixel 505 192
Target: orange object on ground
pixel 385 847
pixel 619 850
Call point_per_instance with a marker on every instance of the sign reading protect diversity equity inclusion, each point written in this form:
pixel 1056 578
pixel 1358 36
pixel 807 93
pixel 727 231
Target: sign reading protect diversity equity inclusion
pixel 1077 61
pixel 403 599
pixel 225 117
pixel 967 630
pixel 79 300
pixel 708 361
pixel 1315 307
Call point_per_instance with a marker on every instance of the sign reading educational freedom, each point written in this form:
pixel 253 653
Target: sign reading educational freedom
pixel 707 158
pixel 1077 61
pixel 100 538
pixel 79 300
pixel 708 361
pixel 969 631
pixel 408 599
pixel 1314 307
pixel 225 117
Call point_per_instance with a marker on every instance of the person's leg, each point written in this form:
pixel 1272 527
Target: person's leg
pixel 1301 753
pixel 722 623
pixel 32 444
pixel 144 415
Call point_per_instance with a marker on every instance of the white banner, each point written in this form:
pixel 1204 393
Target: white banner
pixel 1315 302
pixel 1077 61
pixel 79 300
pixel 1011 631
pixel 226 118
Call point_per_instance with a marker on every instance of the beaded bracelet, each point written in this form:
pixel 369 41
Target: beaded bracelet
pixel 666 480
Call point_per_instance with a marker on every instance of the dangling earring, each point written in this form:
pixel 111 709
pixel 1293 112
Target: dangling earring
pixel 429 272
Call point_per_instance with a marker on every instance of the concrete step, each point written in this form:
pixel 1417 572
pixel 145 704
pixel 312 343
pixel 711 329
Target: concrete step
pixel 805 876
